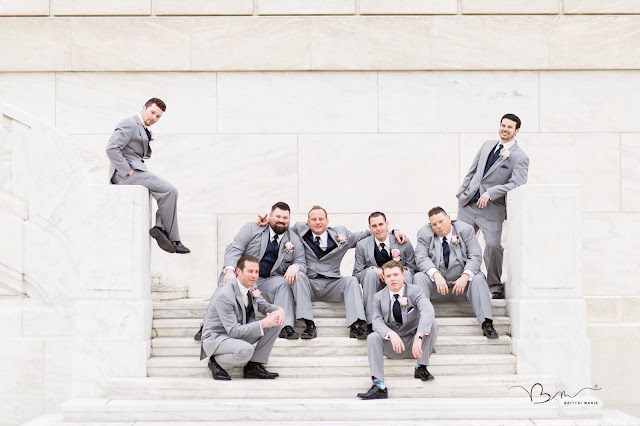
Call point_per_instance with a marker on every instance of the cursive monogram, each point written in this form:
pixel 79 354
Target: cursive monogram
pixel 542 393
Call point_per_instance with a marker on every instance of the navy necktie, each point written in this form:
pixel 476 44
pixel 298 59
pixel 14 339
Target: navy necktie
pixel 273 244
pixel 317 241
pixel 249 308
pixel 148 133
pixel 493 157
pixel 445 252
pixel 397 311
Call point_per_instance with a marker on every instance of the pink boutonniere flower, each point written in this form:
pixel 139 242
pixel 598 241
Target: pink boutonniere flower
pixel 288 247
pixel 454 240
pixel 341 239
pixel 256 294
pixel 404 302
pixel 505 154
pixel 395 253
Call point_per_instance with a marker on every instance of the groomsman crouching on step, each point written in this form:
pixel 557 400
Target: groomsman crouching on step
pixel 404 326
pixel 230 327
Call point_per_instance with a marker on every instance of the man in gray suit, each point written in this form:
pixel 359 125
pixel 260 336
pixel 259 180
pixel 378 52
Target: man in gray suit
pixel 231 328
pixel 127 149
pixel 449 257
pixel 404 326
pixel 373 252
pixel 282 262
pixel 499 167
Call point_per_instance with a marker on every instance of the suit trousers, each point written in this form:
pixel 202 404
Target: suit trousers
pixel 476 292
pixel 232 352
pixel 165 194
pixel 371 284
pixel 378 348
pixel 277 291
pixel 492 233
pixel 347 289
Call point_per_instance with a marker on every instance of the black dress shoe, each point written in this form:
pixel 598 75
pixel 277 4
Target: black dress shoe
pixel 375 393
pixel 357 332
pixel 497 295
pixel 180 249
pixel 488 330
pixel 288 332
pixel 422 373
pixel 217 372
pixel 255 370
pixel 162 239
pixel 198 335
pixel 310 332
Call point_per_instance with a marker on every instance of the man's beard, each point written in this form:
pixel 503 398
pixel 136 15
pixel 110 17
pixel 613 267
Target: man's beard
pixel 279 228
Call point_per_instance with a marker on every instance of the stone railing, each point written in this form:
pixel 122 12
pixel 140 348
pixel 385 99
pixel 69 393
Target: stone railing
pixel 544 289
pixel 74 273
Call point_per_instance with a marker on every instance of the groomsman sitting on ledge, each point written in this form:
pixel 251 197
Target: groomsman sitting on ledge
pixel 324 249
pixel 231 329
pixel 375 251
pixel 404 326
pixel 449 257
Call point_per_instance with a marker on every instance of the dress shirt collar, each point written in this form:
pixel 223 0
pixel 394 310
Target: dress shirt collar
pixel 142 121
pixel 387 246
pixel 272 233
pixel 244 292
pixel 323 238
pixel 401 294
pixel 448 236
pixel 507 145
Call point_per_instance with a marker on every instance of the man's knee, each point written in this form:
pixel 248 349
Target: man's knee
pixel 374 339
pixel 245 353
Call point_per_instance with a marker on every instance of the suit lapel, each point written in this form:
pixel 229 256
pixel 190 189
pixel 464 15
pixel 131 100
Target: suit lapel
pixel 243 311
pixel 437 250
pixel 386 297
pixel 457 248
pixel 143 136
pixel 264 241
pixel 393 243
pixel 501 160
pixel 283 240
pixel 371 256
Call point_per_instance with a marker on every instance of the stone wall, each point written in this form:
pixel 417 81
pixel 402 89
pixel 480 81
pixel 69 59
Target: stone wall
pixel 326 94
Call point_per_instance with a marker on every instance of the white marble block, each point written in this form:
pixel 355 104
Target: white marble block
pixel 24 7
pixel 306 7
pixel 630 171
pixel 197 270
pixel 502 7
pixel 199 7
pixel 544 287
pixel 113 320
pixel 39 101
pixel 99 7
pixel 408 7
pixel 601 7
pixel 49 37
pixel 12 255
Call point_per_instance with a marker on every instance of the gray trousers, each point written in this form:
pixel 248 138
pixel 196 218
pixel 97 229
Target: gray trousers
pixel 492 233
pixel 476 292
pixel 307 290
pixel 371 284
pixel 165 194
pixel 277 291
pixel 378 348
pixel 232 352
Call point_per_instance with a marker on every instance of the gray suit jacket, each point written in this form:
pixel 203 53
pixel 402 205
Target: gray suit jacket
pixel 329 265
pixel 365 257
pixel 226 318
pixel 128 147
pixel 505 174
pixel 253 240
pixel 418 316
pixel 467 250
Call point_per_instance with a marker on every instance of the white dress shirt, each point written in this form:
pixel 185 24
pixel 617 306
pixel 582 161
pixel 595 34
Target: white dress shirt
pixel 323 239
pixel 432 271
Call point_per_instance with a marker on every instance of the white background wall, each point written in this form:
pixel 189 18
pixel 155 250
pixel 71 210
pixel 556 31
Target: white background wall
pixel 304 101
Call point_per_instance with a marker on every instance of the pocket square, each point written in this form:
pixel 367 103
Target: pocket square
pixel 503 167
pixel 410 309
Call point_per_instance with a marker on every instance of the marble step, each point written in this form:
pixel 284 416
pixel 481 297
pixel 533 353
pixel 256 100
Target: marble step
pixel 325 387
pixel 342 366
pixel 187 327
pixel 387 411
pixel 195 308
pixel 331 346
pixel 162 292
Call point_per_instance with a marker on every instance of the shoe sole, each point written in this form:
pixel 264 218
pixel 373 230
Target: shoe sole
pixel 364 398
pixel 493 336
pixel 256 377
pixel 162 242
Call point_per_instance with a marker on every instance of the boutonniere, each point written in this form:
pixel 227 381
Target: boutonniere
pixel 454 240
pixel 395 253
pixel 256 294
pixel 341 239
pixel 288 247
pixel 404 302
pixel 505 154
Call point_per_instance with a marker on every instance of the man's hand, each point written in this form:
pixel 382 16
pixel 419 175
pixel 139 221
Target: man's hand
pixel 482 201
pixel 228 276
pixel 292 274
pixel 441 284
pixel 271 320
pixel 401 237
pixel 396 342
pixel 380 273
pixel 416 350
pixel 262 220
pixel 130 173
pixel 280 314
pixel 460 285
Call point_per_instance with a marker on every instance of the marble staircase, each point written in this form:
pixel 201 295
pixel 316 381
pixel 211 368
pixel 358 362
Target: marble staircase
pixel 476 380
